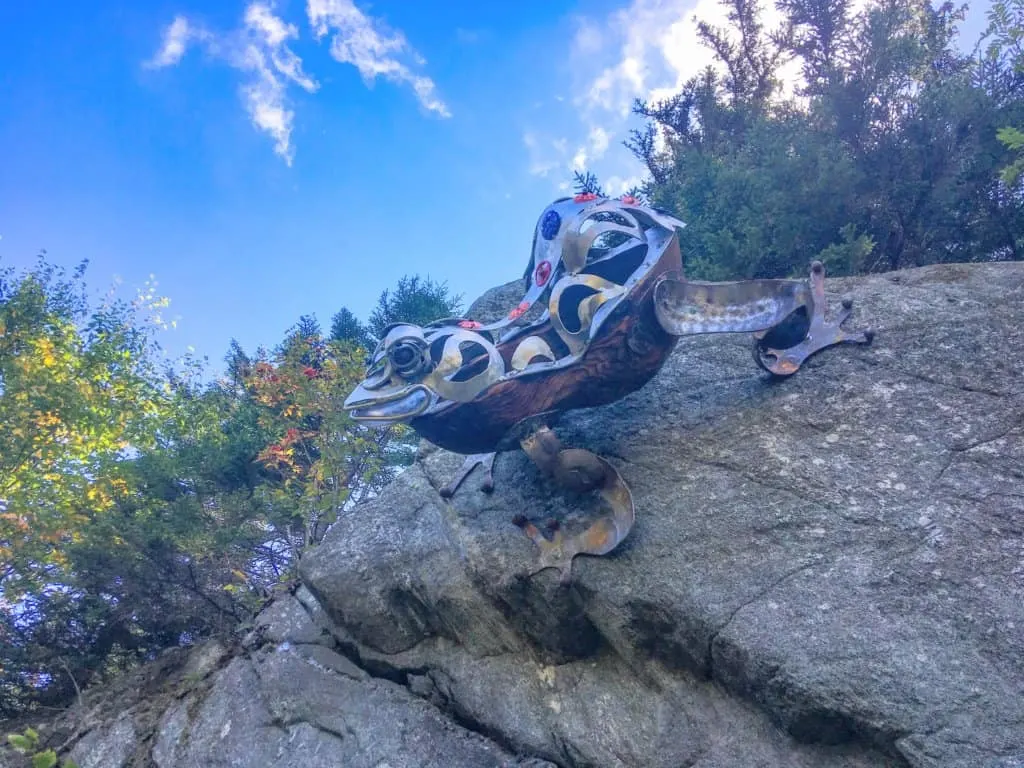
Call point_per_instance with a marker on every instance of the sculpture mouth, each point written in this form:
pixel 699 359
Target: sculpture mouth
pixel 401 406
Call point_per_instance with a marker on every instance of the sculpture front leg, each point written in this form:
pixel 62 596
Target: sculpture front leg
pixel 580 471
pixel 486 460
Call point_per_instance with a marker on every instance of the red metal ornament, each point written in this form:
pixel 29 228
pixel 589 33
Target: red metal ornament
pixel 542 273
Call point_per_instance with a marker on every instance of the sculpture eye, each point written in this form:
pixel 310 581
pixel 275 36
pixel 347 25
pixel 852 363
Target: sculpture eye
pixel 409 358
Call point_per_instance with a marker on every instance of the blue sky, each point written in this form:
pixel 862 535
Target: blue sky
pixel 264 160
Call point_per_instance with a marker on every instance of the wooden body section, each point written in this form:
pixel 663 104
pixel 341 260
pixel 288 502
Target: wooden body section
pixel 628 351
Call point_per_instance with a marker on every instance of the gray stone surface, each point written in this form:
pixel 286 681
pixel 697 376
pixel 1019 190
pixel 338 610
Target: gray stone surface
pixel 825 570
pixel 278 709
pixel 111 746
pixel 282 699
pixel 497 302
pixel 287 620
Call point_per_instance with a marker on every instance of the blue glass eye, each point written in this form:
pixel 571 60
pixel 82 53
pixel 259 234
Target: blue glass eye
pixel 550 224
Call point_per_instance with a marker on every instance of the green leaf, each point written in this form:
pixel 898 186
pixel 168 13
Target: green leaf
pixel 47 759
pixel 19 742
pixel 1012 137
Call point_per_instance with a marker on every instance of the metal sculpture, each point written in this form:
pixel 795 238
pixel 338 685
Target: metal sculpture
pixel 608 274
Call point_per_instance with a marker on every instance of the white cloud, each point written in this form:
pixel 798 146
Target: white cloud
pixel 176 39
pixel 470 36
pixel 597 145
pixel 260 48
pixel 619 185
pixel 272 66
pixel 655 48
pixel 258 17
pixel 372 48
pixel 599 140
pixel 647 50
pixel 546 155
pixel 588 38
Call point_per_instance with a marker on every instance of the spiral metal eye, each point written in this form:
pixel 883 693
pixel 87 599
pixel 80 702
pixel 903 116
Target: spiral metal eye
pixel 410 358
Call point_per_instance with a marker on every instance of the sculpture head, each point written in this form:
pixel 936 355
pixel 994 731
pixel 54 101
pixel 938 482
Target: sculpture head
pixel 418 369
pixel 588 252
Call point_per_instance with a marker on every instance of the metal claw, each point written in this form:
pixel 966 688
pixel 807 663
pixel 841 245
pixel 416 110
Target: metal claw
pixel 821 332
pixel 486 460
pixel 581 471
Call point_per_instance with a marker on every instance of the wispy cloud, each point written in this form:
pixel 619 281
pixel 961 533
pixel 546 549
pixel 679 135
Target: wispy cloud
pixel 261 49
pixel 470 36
pixel 549 156
pixel 272 65
pixel 646 49
pixel 649 45
pixel 372 48
pixel 545 155
pixel 589 37
pixel 650 48
pixel 599 140
pixel 176 39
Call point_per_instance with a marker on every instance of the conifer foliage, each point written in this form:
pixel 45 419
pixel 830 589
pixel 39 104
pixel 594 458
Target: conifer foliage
pixel 892 149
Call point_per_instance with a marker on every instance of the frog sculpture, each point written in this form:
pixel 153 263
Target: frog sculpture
pixel 608 277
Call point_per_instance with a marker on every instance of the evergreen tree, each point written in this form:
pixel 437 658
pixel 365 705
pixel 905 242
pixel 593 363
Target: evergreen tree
pixel 414 300
pixel 889 156
pixel 345 326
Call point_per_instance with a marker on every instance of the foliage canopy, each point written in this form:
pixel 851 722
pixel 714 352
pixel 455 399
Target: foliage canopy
pixel 140 508
pixel 894 149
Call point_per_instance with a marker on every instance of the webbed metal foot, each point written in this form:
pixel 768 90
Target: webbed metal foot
pixel 486 460
pixel 581 471
pixel 821 332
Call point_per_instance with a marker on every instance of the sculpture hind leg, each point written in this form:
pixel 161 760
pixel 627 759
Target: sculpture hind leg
pixel 581 471
pixel 821 332
pixel 770 309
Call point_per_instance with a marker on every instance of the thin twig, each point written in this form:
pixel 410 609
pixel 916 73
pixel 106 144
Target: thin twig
pixel 74 682
pixel 81 709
